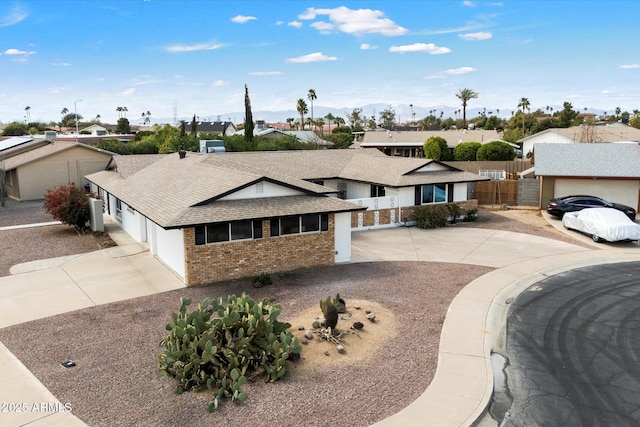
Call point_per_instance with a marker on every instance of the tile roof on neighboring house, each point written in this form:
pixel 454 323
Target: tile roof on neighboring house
pixel 590 160
pixel 45 151
pixel 453 137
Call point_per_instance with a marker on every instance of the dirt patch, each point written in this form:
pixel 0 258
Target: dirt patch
pixel 359 344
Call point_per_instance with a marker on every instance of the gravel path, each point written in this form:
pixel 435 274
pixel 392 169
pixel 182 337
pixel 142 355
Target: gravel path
pixel 115 347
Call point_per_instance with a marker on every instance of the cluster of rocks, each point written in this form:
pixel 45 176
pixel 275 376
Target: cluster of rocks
pixel 320 332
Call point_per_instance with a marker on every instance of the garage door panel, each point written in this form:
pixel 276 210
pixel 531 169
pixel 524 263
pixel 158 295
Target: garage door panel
pixel 625 192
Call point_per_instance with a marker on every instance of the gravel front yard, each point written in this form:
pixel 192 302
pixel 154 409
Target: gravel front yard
pixel 115 382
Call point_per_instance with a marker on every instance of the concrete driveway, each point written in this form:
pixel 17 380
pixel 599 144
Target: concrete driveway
pixel 463 381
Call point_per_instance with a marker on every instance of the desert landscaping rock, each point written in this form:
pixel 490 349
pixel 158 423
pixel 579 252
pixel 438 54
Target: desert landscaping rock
pixel 340 349
pixel 308 334
pixel 116 382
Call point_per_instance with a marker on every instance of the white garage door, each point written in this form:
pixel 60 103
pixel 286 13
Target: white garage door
pixel 625 192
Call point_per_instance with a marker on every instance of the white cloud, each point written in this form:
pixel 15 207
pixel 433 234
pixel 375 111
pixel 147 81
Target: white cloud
pixel 61 64
pixel 358 22
pixel 312 57
pixel 451 72
pixel 483 35
pixel 630 66
pixel 265 73
pixel 420 47
pixel 323 27
pixel 18 52
pixel 295 24
pixel 367 46
pixel 177 48
pixel 15 16
pixel 128 92
pixel 241 19
pixel 468 3
pixel 220 83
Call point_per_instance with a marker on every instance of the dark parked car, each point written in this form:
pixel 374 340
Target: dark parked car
pixel 559 206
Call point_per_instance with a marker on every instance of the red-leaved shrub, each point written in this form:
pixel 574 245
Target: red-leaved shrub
pixel 69 205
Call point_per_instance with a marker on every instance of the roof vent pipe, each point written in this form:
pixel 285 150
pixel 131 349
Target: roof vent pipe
pixel 182 154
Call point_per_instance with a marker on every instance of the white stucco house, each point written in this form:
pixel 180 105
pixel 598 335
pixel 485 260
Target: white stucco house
pixel 212 217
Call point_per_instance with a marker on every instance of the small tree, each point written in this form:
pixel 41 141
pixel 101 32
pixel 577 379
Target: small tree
pixel 248 116
pixel 496 150
pixel 432 149
pixel 69 205
pixel 445 153
pixel 466 151
pixel 123 126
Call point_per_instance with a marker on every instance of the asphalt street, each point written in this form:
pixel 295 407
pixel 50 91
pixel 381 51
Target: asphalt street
pixel 573 349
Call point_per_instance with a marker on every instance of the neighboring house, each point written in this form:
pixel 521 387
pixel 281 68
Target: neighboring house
pixel 31 173
pixel 304 136
pixel 410 143
pixel 213 217
pixel 221 128
pixel 614 132
pixel 610 171
pixel 95 130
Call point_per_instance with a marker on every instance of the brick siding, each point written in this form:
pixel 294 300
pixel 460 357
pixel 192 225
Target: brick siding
pixel 248 258
pixel 408 214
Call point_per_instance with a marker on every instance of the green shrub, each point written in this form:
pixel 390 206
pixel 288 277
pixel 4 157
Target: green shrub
pixel 218 345
pixel 466 151
pixel 455 212
pixel 495 150
pixel 471 215
pixel 262 280
pixel 433 216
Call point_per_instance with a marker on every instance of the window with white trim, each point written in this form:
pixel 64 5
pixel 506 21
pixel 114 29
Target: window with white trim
pixel 297 224
pixel 433 193
pixel 228 231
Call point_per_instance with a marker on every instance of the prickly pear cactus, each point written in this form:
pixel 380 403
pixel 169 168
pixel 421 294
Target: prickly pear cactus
pixel 218 345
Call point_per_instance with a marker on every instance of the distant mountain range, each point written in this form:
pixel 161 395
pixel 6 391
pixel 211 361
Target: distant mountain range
pixel 403 113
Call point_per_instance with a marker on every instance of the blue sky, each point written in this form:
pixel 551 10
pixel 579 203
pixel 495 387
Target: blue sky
pixel 155 55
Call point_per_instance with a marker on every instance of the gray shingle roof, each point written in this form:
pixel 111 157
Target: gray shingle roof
pixel 174 192
pixel 267 207
pixel 619 160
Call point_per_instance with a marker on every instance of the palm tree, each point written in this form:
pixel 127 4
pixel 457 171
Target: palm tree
pixel 465 95
pixel 330 117
pixel 291 121
pixel 27 109
pixel 119 111
pixel 146 117
pixel 311 96
pixel 301 107
pixel 63 113
pixel 124 110
pixel 525 105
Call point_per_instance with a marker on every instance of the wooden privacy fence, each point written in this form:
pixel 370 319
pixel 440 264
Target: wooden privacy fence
pixel 496 192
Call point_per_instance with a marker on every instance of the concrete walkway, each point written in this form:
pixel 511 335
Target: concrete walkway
pixel 473 327
pixel 45 288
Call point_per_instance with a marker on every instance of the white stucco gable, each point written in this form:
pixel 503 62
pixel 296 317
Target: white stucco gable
pixel 433 166
pixel 262 189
